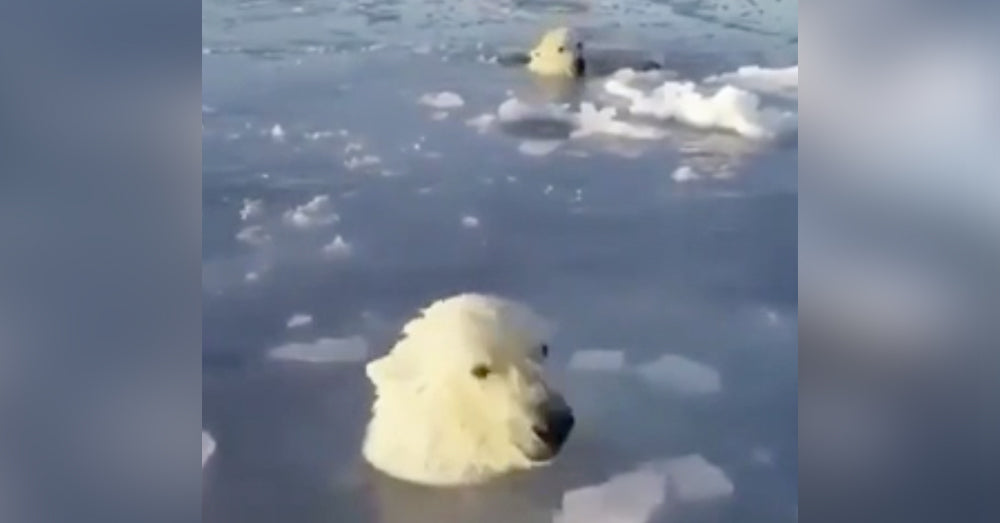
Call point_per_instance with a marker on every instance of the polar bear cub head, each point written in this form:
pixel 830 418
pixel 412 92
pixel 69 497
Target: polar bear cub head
pixel 558 53
pixel 461 396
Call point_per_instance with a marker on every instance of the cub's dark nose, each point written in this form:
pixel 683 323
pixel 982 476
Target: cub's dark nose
pixel 557 426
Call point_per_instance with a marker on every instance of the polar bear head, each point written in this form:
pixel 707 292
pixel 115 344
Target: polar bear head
pixel 461 396
pixel 558 53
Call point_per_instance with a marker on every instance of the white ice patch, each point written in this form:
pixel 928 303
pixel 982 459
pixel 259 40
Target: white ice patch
pixel 513 110
pixel 470 222
pixel 693 479
pixel 299 320
pixel 254 235
pixel 357 162
pixel 591 120
pixel 729 108
pixel 338 248
pixel 323 350
pixel 207 447
pixel 597 360
pixel 632 497
pixel 539 147
pixel 251 276
pixel 314 213
pixel 442 100
pixel 685 173
pixel 251 209
pixel 482 122
pixel 277 133
pixel 784 82
pixel 680 374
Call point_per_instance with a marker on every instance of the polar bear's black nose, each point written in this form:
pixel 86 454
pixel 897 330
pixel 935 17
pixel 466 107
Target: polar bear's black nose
pixel 558 424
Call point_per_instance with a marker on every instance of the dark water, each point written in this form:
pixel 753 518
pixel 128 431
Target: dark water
pixel 596 235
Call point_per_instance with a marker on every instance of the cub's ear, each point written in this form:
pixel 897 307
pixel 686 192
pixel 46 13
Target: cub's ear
pixel 387 369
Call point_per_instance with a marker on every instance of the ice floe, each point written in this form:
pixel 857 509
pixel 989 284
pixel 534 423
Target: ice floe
pixel 781 81
pixel 314 213
pixel 323 350
pixel 681 375
pixel 632 497
pixel 338 248
pixel 685 173
pixel 727 108
pixel 251 209
pixel 442 100
pixel 694 479
pixel 299 320
pixel 277 133
pixel 593 121
pixel 254 235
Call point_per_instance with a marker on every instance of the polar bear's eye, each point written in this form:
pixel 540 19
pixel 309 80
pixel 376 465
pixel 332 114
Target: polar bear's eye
pixel 562 49
pixel 480 371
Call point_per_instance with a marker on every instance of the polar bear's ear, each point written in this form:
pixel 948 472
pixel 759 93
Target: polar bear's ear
pixel 387 369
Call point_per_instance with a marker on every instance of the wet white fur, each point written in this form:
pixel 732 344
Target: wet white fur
pixel 555 54
pixel 433 422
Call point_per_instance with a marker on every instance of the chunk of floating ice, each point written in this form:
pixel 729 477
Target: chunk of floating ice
pixel 685 173
pixel 253 235
pixel 358 162
pixel 251 276
pixel 314 213
pixel 783 81
pixel 439 115
pixel 251 209
pixel 442 100
pixel 470 222
pixel 591 121
pixel 681 375
pixel 277 132
pixel 539 147
pixel 632 497
pixel 691 478
pixel 514 110
pixel 482 122
pixel 323 350
pixel 338 248
pixel 207 447
pixel 597 360
pixel 299 320
pixel 729 108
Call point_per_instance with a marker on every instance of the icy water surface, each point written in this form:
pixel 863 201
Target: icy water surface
pixel 362 159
